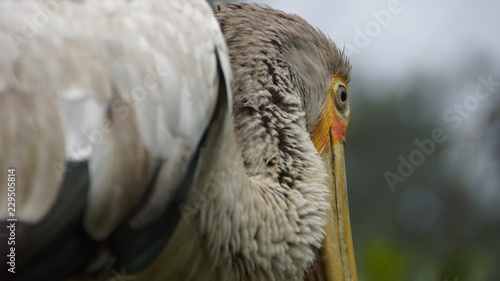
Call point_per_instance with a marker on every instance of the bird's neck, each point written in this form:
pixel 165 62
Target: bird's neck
pixel 255 208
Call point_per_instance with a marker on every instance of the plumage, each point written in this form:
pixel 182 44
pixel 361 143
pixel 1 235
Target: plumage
pixel 136 152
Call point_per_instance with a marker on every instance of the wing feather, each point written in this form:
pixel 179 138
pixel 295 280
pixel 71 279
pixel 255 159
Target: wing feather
pixel 119 84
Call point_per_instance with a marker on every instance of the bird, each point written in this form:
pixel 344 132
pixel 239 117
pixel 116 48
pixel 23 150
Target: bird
pixel 161 140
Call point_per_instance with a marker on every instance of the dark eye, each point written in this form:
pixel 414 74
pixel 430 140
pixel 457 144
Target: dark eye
pixel 341 97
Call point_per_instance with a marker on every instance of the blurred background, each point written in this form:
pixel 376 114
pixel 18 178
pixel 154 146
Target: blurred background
pixel 423 148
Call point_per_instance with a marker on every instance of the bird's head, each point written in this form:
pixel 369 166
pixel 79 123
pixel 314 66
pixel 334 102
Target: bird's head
pixel 314 71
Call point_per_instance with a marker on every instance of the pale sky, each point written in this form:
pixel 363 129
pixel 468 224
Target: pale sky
pixel 420 36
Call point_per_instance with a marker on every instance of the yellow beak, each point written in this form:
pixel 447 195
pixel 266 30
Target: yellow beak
pixel 337 255
pixel 336 258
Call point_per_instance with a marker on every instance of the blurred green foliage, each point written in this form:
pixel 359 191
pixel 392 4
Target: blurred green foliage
pixel 384 260
pixel 426 229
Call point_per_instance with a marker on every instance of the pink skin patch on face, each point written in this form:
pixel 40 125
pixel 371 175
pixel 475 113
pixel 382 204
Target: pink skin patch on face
pixel 339 130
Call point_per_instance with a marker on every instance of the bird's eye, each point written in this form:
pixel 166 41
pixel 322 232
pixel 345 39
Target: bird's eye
pixel 341 97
